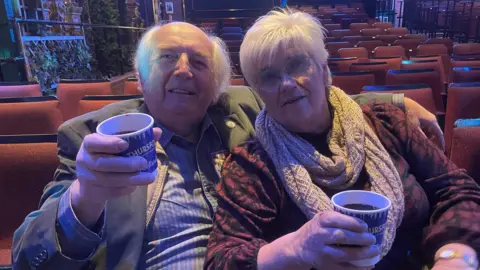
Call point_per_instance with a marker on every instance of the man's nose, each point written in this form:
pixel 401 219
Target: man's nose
pixel 182 68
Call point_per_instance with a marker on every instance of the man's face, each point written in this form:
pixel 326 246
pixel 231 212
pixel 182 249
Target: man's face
pixel 181 82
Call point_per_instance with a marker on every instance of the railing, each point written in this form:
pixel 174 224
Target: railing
pixel 110 48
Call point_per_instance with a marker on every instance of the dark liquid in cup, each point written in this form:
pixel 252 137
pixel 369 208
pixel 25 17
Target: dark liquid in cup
pixel 360 206
pixel 124 132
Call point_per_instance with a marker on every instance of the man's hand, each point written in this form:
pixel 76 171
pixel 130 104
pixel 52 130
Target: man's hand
pixel 427 121
pixel 102 175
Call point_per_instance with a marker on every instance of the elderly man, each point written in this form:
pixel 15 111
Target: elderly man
pixel 100 212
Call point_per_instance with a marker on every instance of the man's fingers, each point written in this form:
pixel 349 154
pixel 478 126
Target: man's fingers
pixel 96 143
pixel 114 164
pixel 157 133
pixel 341 221
pixel 348 254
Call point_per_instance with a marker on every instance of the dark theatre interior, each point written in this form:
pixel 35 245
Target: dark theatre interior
pixel 63 59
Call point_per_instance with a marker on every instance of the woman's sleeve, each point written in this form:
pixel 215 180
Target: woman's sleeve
pixel 454 196
pixel 248 203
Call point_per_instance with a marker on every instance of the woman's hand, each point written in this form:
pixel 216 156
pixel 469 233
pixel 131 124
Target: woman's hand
pixel 451 265
pixel 328 241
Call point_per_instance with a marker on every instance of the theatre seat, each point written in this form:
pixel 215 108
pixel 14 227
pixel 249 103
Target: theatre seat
pixel 132 87
pixel 379 70
pixel 421 93
pixel 71 92
pixel 466 74
pixel 352 82
pixel 32 115
pixel 463 103
pixel 12 90
pixel 27 164
pixel 94 103
pixel 465 151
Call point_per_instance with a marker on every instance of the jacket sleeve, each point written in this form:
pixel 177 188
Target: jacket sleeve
pixel 36 243
pixel 249 201
pixel 454 196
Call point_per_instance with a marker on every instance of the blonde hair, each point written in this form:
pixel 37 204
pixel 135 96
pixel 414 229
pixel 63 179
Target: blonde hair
pixel 282 29
pixel 221 67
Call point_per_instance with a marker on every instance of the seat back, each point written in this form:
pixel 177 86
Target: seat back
pixel 94 103
pixel 466 74
pixel 409 45
pixel 462 103
pixel 232 36
pixel 420 76
pixel 389 40
pixel 421 93
pixel 383 25
pixel 355 39
pixel 360 53
pixel 352 82
pixel 8 90
pixel 333 47
pixel 415 36
pixel 27 164
pixel 389 51
pixel 370 45
pixel 70 94
pixel 132 87
pixel 372 32
pixel 340 33
pixel 343 64
pixel 331 27
pixel 33 115
pixel 400 31
pixel 432 49
pixel 445 41
pixel 359 26
pixel 443 59
pixel 237 80
pixel 379 70
pixel 426 64
pixel 392 62
pixel 465 151
pixel 232 29
pixel 466 48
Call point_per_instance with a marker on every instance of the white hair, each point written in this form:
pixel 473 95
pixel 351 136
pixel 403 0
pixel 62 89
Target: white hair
pixel 283 29
pixel 221 67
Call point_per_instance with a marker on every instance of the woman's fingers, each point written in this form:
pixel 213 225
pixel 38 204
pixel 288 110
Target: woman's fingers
pixel 346 237
pixel 344 254
pixel 337 220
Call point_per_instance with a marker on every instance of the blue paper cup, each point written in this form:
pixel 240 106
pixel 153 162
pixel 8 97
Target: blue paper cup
pixel 375 219
pixel 137 130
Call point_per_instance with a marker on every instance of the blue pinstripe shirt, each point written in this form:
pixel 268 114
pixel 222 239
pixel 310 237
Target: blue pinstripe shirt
pixel 177 239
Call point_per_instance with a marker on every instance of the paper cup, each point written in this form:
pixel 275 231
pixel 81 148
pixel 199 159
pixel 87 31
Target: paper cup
pixel 375 219
pixel 137 130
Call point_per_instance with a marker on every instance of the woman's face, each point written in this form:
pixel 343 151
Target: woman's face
pixel 293 88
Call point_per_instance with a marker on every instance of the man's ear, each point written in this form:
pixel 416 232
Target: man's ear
pixel 327 76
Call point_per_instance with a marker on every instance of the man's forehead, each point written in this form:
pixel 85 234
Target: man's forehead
pixel 183 37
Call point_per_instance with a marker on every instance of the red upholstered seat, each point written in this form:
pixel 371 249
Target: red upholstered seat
pixel 94 103
pixel 132 88
pixel 463 102
pixel 400 31
pixel 360 53
pixel 343 64
pixel 27 164
pixel 379 70
pixel 352 82
pixel 465 151
pixel 445 41
pixel 33 115
pixel 389 51
pixel 420 76
pixel 466 74
pixel 70 94
pixel 333 47
pixel 20 90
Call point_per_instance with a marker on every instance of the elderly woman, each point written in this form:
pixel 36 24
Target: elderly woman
pixel 312 142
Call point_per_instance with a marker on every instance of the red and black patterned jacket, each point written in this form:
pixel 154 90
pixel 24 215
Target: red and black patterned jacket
pixel 442 203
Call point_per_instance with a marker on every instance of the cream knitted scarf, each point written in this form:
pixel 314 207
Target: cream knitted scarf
pixel 354 145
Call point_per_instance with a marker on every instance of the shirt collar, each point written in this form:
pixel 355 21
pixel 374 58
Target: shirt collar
pixel 167 134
